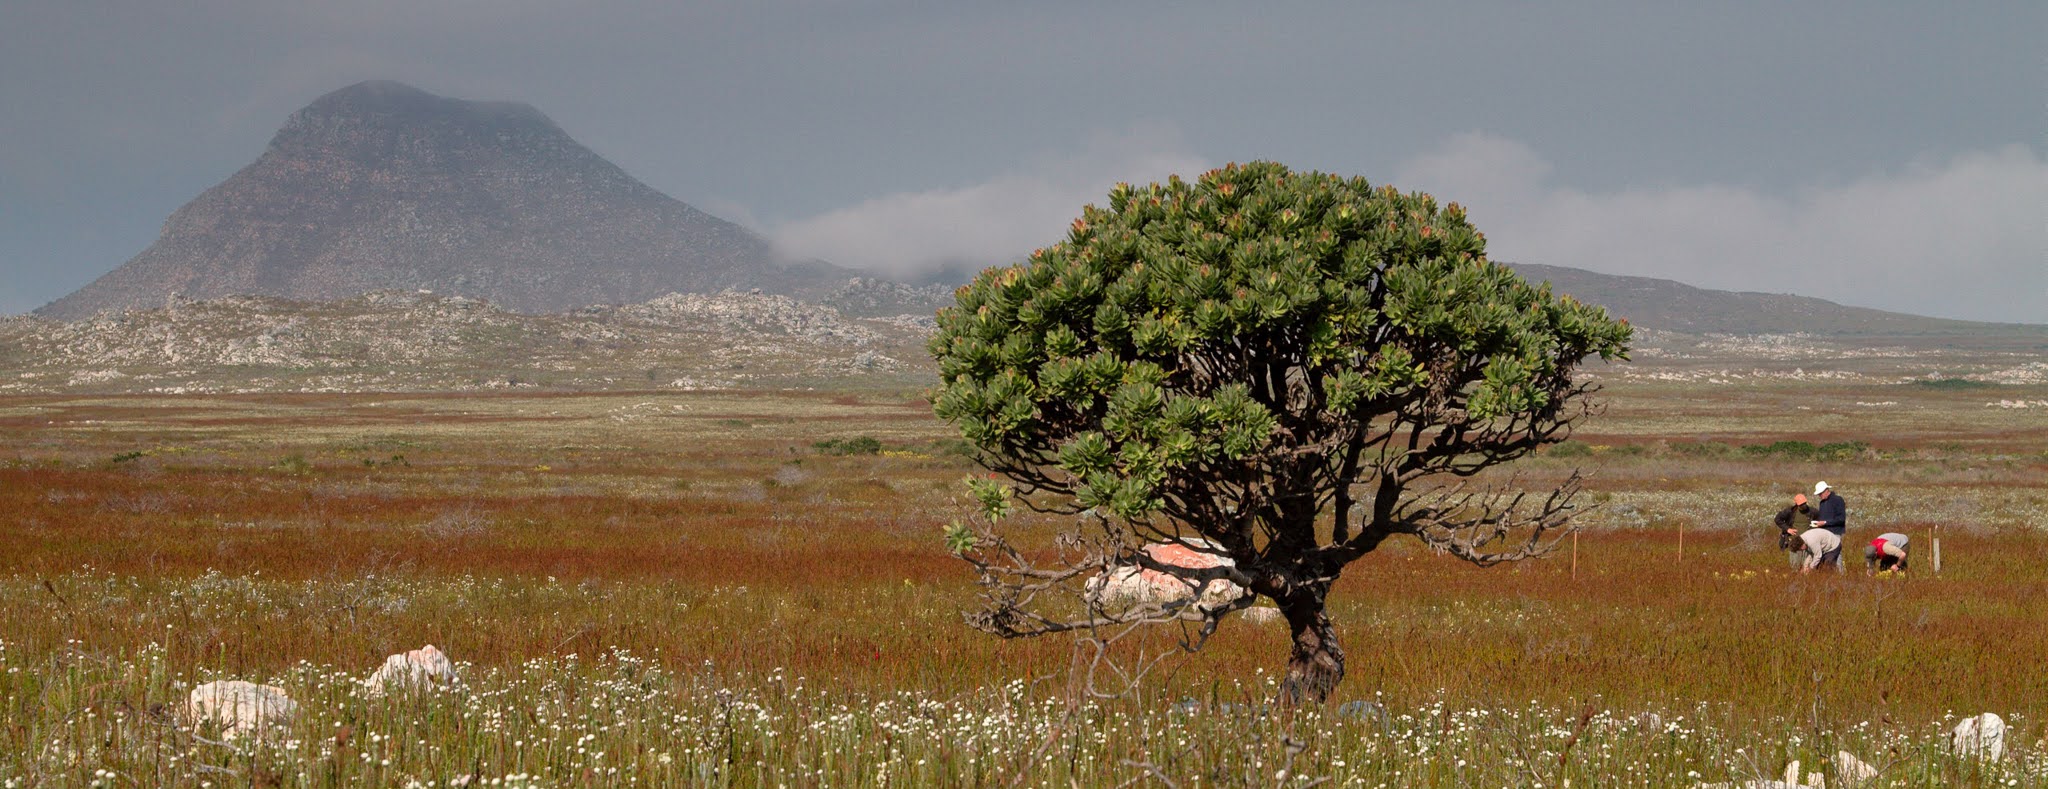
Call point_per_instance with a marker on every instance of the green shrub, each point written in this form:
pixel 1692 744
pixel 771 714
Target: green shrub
pixel 1570 448
pixel 1791 450
pixel 1702 449
pixel 1951 383
pixel 1841 450
pixel 863 445
pixel 1808 451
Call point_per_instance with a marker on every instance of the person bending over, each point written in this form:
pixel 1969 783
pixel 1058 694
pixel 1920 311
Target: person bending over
pixel 1822 547
pixel 1886 553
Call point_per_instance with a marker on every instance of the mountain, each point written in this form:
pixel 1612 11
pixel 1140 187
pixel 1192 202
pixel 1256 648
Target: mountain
pixel 381 185
pixel 1666 305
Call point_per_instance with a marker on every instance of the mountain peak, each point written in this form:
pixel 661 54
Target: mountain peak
pixel 381 185
pixel 383 97
pixel 373 112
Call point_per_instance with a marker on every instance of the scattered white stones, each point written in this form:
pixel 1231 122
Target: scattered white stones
pixel 1792 776
pixel 1851 770
pixel 415 670
pixel 1124 588
pixel 1981 737
pixel 241 708
pixel 254 344
pixel 1761 785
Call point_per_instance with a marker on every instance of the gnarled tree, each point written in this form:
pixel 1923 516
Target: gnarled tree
pixel 1285 368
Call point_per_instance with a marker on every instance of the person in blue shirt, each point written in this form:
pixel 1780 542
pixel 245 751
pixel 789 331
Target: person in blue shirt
pixel 1830 512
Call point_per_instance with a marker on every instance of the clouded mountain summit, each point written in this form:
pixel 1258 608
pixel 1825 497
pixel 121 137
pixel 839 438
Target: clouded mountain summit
pixel 380 185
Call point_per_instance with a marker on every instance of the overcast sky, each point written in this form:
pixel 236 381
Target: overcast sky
pixel 1887 155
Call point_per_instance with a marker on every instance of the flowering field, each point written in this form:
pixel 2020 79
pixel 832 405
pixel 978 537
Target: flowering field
pixel 749 590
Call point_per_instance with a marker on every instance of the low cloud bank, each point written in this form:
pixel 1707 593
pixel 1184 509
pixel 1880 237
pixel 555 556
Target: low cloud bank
pixel 920 234
pixel 1964 237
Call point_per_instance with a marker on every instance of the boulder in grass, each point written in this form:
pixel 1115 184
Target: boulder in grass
pixel 1789 781
pixel 1981 737
pixel 1129 587
pixel 418 669
pixel 1263 615
pixel 1853 771
pixel 241 708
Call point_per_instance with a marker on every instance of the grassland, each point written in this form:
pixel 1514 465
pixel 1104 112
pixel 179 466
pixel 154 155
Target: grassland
pixel 707 589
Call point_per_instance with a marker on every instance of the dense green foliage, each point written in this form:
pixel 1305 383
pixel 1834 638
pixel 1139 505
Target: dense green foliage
pixel 1198 330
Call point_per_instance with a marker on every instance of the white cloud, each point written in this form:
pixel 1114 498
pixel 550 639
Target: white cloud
pixel 1965 237
pixel 996 221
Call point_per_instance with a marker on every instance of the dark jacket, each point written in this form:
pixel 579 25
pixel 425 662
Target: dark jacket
pixel 1785 520
pixel 1834 510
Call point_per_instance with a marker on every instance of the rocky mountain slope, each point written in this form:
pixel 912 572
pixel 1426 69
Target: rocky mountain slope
pixel 383 186
pixel 1666 305
pixel 420 341
pixel 867 334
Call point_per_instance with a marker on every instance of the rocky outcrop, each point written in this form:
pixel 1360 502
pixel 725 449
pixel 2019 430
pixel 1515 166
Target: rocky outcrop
pixel 412 671
pixel 1981 737
pixel 380 185
pixel 411 340
pixel 240 709
pixel 873 298
pixel 1852 771
pixel 1128 587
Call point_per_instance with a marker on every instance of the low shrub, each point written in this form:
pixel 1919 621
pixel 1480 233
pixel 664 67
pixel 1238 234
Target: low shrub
pixel 1570 448
pixel 1702 449
pixel 862 445
pixel 1952 383
pixel 1809 451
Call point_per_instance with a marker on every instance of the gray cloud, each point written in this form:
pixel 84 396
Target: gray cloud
pixel 794 115
pixel 998 220
pixel 1960 236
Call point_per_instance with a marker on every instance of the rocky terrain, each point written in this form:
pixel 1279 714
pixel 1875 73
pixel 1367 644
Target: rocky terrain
pixel 383 186
pixel 423 341
pixel 854 337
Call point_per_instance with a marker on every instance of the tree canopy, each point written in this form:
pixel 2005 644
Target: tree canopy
pixel 1248 356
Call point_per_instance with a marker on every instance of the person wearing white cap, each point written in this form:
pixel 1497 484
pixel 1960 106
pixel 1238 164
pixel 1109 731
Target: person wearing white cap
pixel 1830 514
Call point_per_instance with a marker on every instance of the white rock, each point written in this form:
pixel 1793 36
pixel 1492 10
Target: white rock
pixel 1129 587
pixel 1851 770
pixel 1263 614
pixel 1982 737
pixel 415 670
pixel 1791 781
pixel 240 708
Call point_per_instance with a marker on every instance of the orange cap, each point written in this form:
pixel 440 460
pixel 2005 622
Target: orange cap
pixel 1798 498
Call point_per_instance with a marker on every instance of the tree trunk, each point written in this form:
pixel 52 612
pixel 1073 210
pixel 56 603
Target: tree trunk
pixel 1316 663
